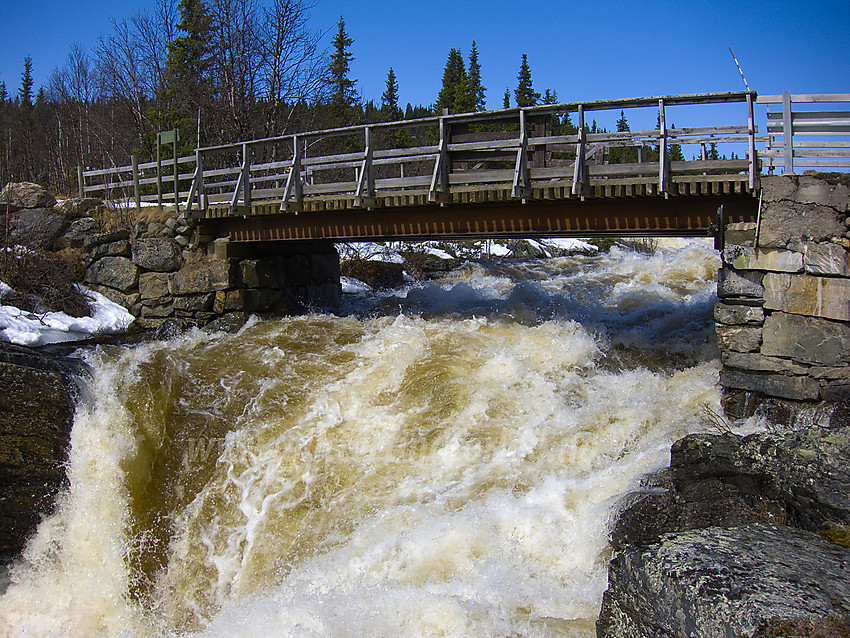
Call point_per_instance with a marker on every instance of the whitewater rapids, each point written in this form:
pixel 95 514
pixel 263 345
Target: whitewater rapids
pixel 442 460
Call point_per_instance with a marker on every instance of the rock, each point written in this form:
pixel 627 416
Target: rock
pixel 746 258
pixel 194 303
pixel 830 373
pixel 115 272
pixel 738 338
pixel 226 300
pixel 22 195
pixel 807 295
pixel 760 362
pixel 106 238
pixel 263 273
pixel 153 285
pixel 77 207
pixel 731 283
pixel 827 259
pixel 37 403
pixel 806 339
pixel 119 248
pixel 78 233
pixel 206 276
pixel 375 274
pixel 772 384
pixel 726 582
pixel 157 254
pixel 171 328
pixel 740 233
pixel 37 227
pixel 230 322
pixel 787 224
pixel 735 315
pixel 325 296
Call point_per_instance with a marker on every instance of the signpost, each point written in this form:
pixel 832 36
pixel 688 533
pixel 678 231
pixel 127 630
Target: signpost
pixel 163 139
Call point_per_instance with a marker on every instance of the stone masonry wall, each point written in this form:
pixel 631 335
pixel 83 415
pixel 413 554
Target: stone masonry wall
pixel 159 272
pixel 783 319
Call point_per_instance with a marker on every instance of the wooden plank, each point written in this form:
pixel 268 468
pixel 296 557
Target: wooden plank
pixel 805 98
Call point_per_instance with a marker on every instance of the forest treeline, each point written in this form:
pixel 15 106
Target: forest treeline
pixel 217 70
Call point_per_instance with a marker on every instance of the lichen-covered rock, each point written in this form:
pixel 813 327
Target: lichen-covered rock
pixel 827 259
pixel 114 272
pixel 735 314
pixel 77 207
pixel 157 254
pixel 796 388
pixel 79 232
pixel 20 195
pixel 738 338
pixel 725 582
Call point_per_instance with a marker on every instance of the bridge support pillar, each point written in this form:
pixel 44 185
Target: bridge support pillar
pixel 783 319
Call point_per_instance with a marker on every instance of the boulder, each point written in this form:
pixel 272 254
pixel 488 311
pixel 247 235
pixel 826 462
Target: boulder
pixel 77 207
pixel 157 254
pixel 114 272
pixel 36 227
pixel 22 195
pixel 79 232
pixel 37 403
pixel 728 582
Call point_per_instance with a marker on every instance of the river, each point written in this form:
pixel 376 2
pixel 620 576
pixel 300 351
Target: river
pixel 440 460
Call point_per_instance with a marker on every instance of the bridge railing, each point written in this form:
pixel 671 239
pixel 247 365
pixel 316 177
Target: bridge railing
pixel 513 150
pixel 155 183
pixel 818 138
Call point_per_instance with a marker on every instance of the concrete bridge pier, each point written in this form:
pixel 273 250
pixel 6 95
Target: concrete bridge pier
pixel 783 319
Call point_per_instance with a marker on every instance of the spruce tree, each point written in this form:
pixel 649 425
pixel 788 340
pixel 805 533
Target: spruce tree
pixel 342 87
pixel 506 101
pixel 454 95
pixel 389 98
pixel 475 89
pixel 25 93
pixel 188 68
pixel 4 94
pixel 524 93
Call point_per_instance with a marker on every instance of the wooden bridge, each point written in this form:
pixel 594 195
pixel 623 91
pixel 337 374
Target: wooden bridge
pixel 519 172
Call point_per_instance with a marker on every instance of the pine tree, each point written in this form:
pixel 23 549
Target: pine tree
pixel 623 123
pixel 506 101
pixel 25 93
pixel 4 94
pixel 342 87
pixel 550 97
pixel 389 98
pixel 475 89
pixel 454 95
pixel 524 93
pixel 623 154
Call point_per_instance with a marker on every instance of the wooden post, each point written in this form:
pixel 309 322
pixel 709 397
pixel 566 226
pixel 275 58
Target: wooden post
pixel 81 180
pixel 294 188
pixel 158 173
pixel 246 176
pixel 580 173
pixel 663 158
pixel 440 178
pixel 751 133
pixel 176 172
pixel 364 194
pixel 788 132
pixel 135 168
pixel 520 187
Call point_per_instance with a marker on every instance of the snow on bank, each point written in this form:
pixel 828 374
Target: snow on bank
pixel 30 329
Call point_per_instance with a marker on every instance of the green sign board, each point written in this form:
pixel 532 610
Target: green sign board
pixel 168 137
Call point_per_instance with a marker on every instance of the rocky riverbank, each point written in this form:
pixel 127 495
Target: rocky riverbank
pixel 37 399
pixel 740 536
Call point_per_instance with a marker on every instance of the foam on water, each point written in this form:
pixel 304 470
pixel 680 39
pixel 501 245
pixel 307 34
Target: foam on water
pixel 447 470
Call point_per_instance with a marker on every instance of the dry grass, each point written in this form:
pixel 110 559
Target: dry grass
pixel 713 420
pixel 43 282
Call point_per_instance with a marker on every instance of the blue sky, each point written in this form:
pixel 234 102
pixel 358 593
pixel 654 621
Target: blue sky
pixel 581 50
